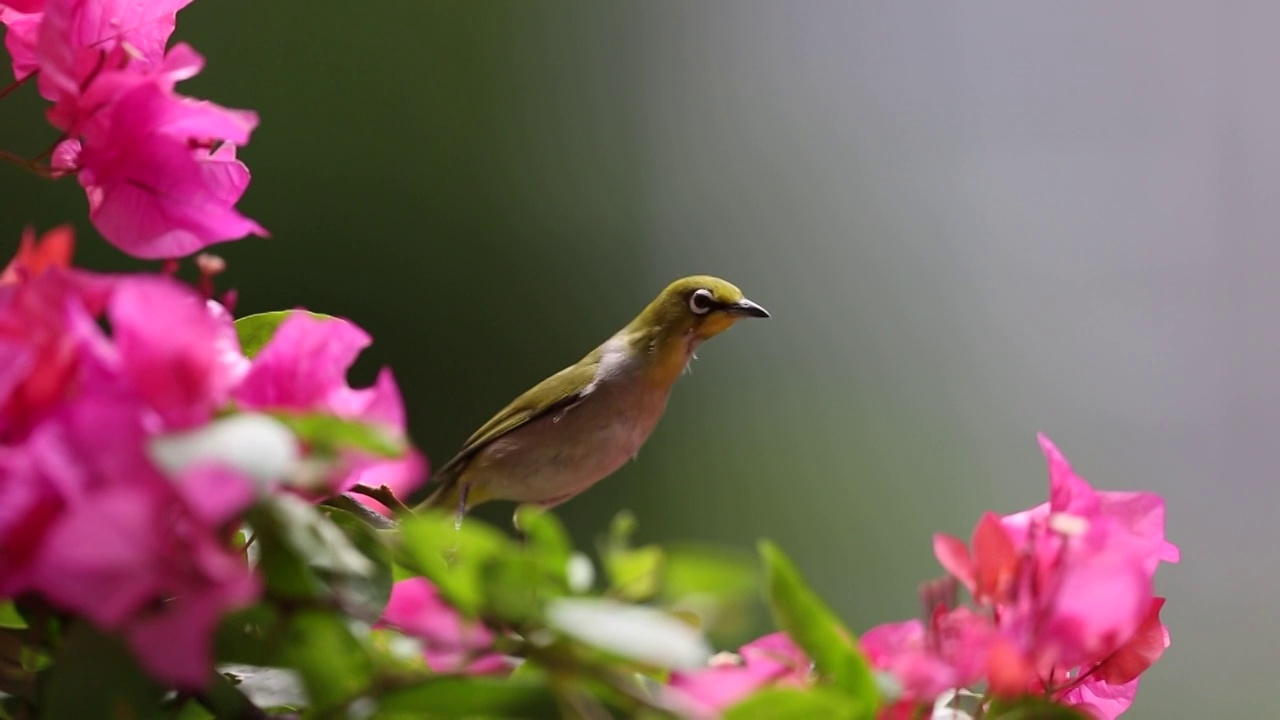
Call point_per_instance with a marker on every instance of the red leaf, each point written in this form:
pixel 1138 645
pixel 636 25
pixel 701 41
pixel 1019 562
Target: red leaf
pixel 1140 652
pixel 995 560
pixel 953 556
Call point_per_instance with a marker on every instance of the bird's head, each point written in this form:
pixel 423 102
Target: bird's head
pixel 691 310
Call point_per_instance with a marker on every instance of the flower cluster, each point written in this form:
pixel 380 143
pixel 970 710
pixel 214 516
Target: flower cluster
pixel 449 642
pixel 1063 606
pixel 159 168
pixel 127 458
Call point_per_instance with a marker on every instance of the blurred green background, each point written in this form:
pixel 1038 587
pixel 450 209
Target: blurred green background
pixel 971 223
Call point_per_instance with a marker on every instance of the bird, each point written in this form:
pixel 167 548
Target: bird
pixel 581 424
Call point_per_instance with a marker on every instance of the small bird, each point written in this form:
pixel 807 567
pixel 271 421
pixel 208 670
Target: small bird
pixel 580 425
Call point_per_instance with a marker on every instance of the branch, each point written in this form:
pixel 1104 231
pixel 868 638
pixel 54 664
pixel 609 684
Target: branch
pixel 383 494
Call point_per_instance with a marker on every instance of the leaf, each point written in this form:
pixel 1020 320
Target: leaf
pixel 454 559
pixel 784 703
pixel 813 626
pixel 248 636
pixel 328 434
pixel 334 665
pixel 267 687
pixel 469 697
pixel 636 632
pixel 316 538
pixel 364 596
pixel 515 588
pixel 255 331
pixel 721 586
pixel 634 573
pixel 546 539
pixel 701 570
pixel 94 676
pixel 10 617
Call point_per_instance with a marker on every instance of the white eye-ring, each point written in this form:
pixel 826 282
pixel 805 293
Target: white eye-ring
pixel 701 302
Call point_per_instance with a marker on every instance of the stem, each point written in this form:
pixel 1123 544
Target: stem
pixel 34 166
pixel 383 494
pixel 49 150
pixel 15 85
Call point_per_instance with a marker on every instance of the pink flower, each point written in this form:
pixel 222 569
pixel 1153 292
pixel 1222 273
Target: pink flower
pixel 304 369
pixel 451 643
pixel 989 572
pixel 772 660
pixel 160 170
pixel 47 333
pixel 117 542
pixel 1064 601
pixel 79 38
pixel 1101 700
pixel 52 250
pixel 179 355
pixel 950 652
pixel 22 35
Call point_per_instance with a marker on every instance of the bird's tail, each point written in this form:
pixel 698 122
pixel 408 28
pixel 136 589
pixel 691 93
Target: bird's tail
pixel 448 494
pixel 445 497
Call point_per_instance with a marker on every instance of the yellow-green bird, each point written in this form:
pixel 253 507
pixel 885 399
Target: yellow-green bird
pixel 578 426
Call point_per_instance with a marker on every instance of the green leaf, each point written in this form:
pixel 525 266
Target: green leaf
pixel 192 710
pixel 546 538
pixel 635 574
pixel 813 626
pixel 515 588
pixel 334 665
pixel 315 536
pixel 641 633
pixel 722 573
pixel 10 617
pixel 265 687
pixel 94 676
pixel 328 434
pixel 454 559
pixel 255 331
pixel 363 595
pixel 249 636
pixel 721 586
pixel 781 703
pixel 301 550
pixel 468 697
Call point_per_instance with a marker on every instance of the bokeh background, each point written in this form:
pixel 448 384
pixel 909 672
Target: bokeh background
pixel 971 222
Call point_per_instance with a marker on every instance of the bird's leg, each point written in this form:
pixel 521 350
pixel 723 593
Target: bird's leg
pixel 515 522
pixel 462 507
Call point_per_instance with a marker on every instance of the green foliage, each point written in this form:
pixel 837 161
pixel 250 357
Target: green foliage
pixel 9 616
pixel 94 676
pixel 312 648
pixel 785 703
pixel 814 627
pixel 327 435
pixel 255 331
pixel 460 697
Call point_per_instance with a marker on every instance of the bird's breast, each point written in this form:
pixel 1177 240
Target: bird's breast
pixel 563 453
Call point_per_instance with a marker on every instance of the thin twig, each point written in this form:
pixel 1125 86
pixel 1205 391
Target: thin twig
pixel 384 495
pixel 42 170
pixel 15 85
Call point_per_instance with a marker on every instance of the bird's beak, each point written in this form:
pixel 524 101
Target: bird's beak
pixel 746 308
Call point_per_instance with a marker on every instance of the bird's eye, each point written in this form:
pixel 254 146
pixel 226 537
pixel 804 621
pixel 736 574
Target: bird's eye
pixel 700 302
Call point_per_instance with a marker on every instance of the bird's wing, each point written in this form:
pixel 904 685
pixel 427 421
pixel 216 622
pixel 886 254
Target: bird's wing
pixel 556 394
